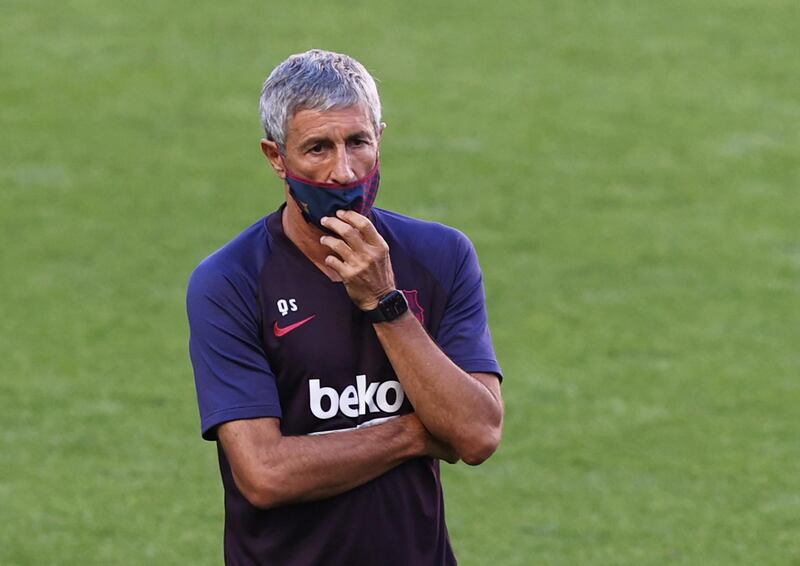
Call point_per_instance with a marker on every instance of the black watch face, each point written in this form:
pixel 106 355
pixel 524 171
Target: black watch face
pixel 393 306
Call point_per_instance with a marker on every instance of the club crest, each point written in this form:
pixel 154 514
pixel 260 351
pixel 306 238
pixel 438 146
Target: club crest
pixel 414 306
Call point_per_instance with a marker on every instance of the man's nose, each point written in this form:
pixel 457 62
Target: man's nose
pixel 342 172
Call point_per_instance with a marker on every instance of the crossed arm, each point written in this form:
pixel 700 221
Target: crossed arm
pixel 463 410
pixel 271 469
pixel 457 415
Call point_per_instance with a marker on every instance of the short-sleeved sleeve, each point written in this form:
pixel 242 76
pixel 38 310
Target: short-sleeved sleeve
pixel 231 371
pixel 464 330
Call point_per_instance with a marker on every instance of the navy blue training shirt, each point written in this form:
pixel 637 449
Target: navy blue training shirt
pixel 272 336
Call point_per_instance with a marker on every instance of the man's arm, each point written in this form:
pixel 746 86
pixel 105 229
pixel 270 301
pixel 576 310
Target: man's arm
pixel 463 410
pixel 272 470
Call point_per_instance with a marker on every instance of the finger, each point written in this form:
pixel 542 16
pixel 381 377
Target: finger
pixel 349 233
pixel 337 265
pixel 362 223
pixel 338 246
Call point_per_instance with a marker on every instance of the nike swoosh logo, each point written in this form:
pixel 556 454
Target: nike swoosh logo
pixel 287 329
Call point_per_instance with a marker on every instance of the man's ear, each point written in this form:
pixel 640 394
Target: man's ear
pixel 273 153
pixel 381 127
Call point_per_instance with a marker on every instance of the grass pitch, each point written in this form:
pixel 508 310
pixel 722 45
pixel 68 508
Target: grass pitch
pixel 629 172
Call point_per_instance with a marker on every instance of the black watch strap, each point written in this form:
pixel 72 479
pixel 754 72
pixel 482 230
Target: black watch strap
pixel 390 307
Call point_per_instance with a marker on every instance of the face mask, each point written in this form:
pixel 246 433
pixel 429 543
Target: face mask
pixel 317 200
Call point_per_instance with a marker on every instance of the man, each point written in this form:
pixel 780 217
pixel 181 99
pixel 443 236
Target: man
pixel 340 351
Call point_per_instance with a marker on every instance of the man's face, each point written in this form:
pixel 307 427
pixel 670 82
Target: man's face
pixel 334 146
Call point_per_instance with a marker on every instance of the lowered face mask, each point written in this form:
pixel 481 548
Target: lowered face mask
pixel 317 200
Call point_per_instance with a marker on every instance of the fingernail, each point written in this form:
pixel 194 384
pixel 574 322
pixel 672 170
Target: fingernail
pixel 323 220
pixel 340 213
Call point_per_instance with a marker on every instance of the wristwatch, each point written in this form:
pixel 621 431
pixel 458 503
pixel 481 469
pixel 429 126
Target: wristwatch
pixel 390 307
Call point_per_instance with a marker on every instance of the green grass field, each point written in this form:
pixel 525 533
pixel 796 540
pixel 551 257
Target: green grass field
pixel 629 172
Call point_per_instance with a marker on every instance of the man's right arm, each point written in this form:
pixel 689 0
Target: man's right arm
pixel 272 470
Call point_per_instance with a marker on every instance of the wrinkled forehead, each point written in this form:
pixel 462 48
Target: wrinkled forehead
pixel 331 123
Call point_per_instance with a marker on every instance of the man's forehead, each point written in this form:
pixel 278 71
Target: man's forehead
pixel 306 122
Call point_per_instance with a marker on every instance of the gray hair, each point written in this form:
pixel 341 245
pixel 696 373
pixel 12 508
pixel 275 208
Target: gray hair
pixel 315 80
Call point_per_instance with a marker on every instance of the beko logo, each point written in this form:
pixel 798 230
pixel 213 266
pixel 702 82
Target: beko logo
pixel 356 399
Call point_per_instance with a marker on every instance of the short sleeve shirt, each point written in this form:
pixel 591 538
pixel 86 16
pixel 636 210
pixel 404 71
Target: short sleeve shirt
pixel 272 336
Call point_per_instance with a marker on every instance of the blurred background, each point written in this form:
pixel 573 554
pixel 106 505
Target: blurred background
pixel 629 172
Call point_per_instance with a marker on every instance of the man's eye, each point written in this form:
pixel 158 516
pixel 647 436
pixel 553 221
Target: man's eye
pixel 315 148
pixel 358 142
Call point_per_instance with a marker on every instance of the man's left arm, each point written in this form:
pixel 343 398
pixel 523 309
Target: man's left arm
pixel 462 409
pixel 465 410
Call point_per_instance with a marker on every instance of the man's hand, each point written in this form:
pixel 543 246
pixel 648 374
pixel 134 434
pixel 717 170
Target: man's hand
pixel 441 450
pixel 361 258
pixel 434 447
